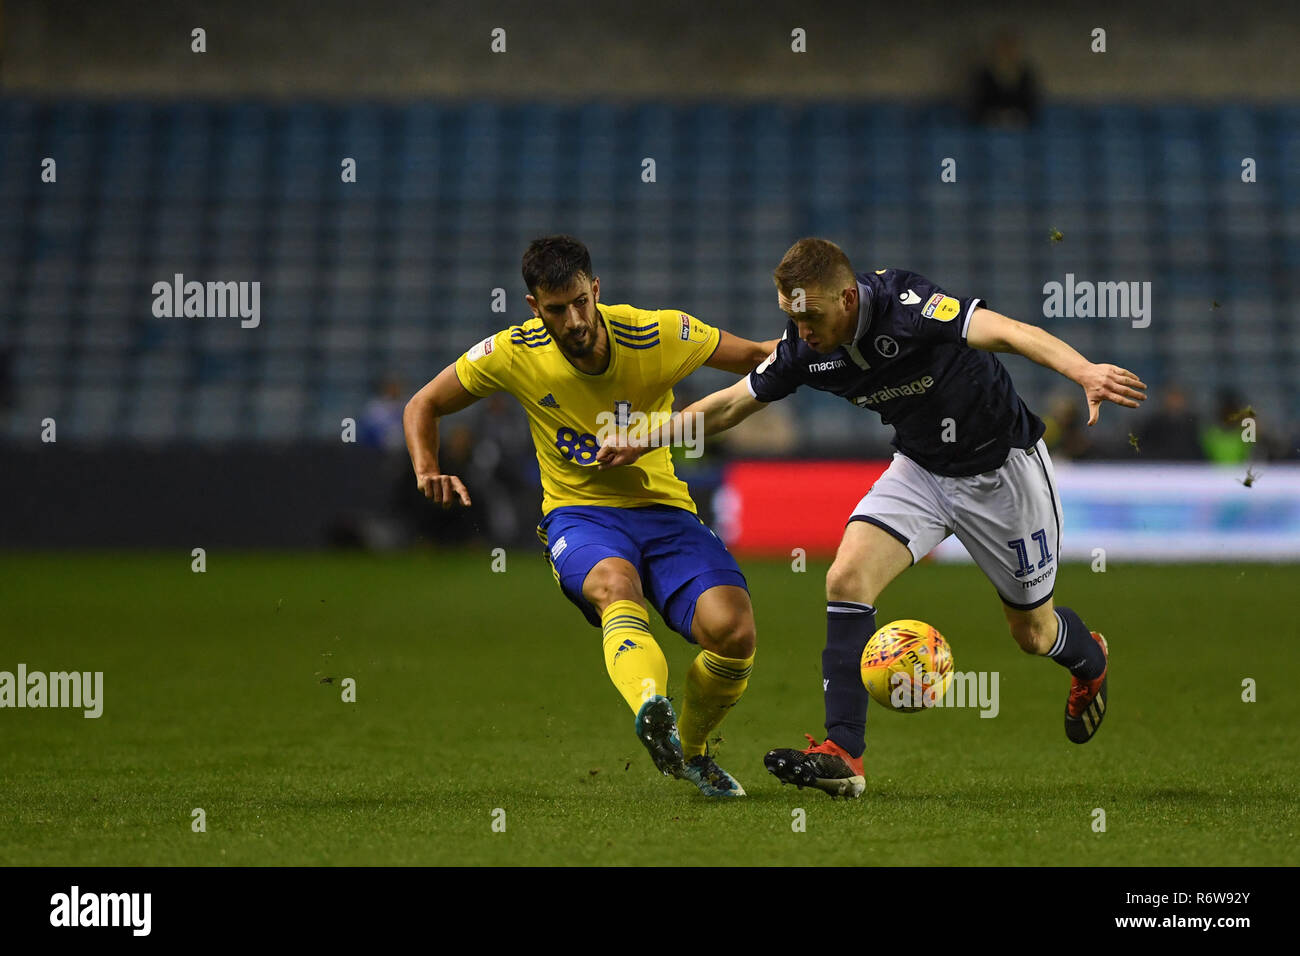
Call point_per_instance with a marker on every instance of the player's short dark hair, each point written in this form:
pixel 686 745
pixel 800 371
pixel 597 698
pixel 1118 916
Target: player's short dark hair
pixel 553 262
pixel 812 263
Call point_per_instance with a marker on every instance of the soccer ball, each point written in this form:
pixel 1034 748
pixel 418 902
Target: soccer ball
pixel 907 666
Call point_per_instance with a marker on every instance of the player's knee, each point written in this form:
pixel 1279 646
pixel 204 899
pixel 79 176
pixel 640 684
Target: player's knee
pixel 738 642
pixel 847 582
pixel 731 635
pixel 605 585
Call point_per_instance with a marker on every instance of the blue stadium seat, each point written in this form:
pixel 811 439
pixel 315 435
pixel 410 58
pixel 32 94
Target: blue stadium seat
pixel 396 270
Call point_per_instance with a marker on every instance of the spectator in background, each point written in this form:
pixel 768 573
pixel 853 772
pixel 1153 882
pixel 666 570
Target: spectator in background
pixel 1004 89
pixel 1222 440
pixel 1172 433
pixel 493 449
pixel 1239 434
pixel 381 422
pixel 504 471
pixel 1066 430
pixel 495 452
pixel 379 427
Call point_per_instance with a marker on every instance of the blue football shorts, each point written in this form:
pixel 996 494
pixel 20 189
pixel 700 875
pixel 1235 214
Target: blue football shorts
pixel 675 554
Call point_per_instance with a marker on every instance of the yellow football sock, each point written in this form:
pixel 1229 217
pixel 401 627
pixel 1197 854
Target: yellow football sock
pixel 713 685
pixel 636 664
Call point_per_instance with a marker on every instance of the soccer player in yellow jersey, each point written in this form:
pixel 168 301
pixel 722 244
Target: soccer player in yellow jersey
pixel 622 538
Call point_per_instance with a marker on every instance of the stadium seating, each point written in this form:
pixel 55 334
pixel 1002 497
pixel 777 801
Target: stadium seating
pixel 393 275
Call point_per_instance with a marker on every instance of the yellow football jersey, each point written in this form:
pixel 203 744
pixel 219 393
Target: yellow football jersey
pixel 650 352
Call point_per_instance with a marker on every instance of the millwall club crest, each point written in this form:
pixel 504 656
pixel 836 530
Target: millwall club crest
pixel 886 346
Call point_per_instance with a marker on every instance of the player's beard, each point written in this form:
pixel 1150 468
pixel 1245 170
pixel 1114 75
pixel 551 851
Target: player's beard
pixel 579 351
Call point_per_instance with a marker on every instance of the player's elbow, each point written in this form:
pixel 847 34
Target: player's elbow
pixel 421 406
pixel 1013 336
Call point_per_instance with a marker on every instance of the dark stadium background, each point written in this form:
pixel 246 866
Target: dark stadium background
pixel 225 165
pixel 175 434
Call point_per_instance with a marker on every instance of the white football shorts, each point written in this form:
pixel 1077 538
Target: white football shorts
pixel 1009 519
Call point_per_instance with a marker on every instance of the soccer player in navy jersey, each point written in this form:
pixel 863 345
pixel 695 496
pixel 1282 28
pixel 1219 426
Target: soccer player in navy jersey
pixel 970 461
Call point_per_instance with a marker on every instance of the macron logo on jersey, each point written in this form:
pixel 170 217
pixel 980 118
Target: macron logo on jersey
pixel 917 387
pixel 826 366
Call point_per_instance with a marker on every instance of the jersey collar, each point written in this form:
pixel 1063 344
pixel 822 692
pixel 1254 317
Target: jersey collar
pixel 864 323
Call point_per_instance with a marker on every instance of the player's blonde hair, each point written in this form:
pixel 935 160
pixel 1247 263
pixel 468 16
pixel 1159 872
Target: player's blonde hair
pixel 812 263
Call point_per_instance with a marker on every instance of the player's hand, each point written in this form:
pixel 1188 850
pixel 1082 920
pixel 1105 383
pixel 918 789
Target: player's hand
pixel 1110 383
pixel 444 490
pixel 612 454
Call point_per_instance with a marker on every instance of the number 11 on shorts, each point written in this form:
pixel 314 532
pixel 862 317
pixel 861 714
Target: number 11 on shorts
pixel 1022 553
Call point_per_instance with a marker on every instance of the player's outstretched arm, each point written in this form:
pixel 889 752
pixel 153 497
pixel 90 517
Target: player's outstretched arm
pixel 994 332
pixel 738 355
pixel 442 396
pixel 718 412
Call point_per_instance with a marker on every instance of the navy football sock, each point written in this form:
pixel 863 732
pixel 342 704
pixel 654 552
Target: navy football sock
pixel 1075 649
pixel 849 626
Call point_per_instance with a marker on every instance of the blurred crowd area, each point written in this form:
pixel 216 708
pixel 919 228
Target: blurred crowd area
pixel 1118 165
pixel 1171 429
pixel 489 447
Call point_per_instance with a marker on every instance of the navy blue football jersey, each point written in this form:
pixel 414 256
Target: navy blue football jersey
pixel 909 362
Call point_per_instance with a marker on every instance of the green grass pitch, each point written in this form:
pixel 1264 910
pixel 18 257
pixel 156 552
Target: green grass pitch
pixel 479 690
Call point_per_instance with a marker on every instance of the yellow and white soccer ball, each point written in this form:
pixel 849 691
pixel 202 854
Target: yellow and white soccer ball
pixel 907 666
